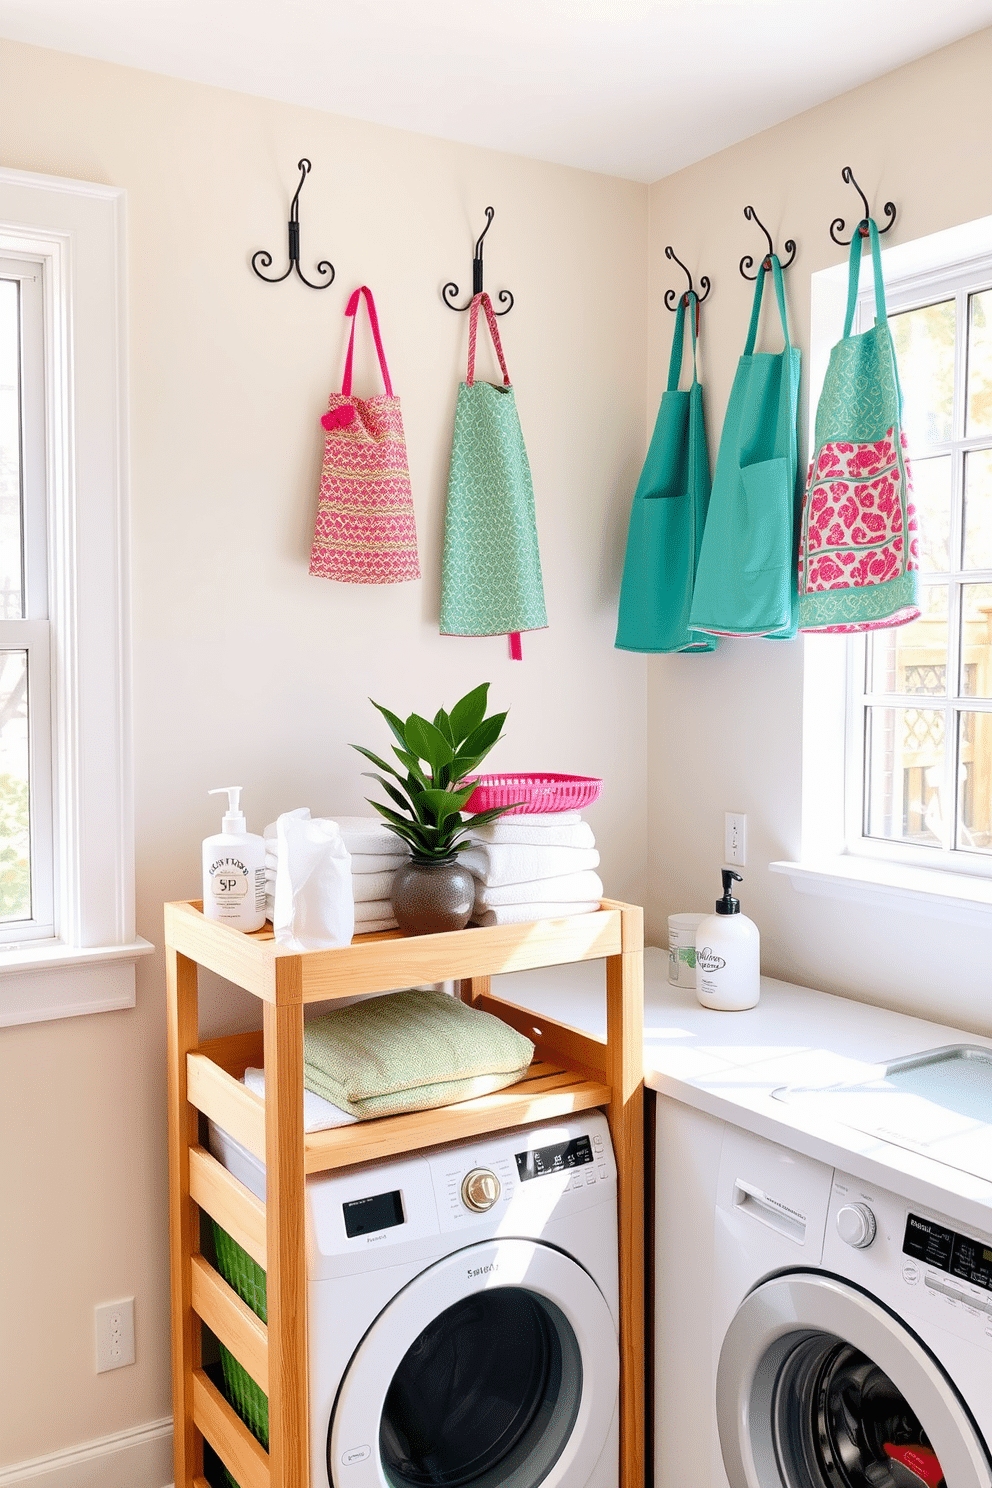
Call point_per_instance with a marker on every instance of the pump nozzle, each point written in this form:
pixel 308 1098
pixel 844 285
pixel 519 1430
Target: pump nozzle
pixel 234 818
pixel 729 905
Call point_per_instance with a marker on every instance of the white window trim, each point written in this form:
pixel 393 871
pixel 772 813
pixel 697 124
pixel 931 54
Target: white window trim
pixel 75 231
pixel 876 874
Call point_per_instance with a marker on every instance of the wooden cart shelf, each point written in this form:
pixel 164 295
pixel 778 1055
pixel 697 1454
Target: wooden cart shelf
pixel 571 1071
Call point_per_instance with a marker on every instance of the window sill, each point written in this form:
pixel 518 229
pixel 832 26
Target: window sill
pixel 963 897
pixel 47 980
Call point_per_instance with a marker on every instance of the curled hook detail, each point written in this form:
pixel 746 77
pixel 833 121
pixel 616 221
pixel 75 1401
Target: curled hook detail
pixel 672 296
pixel 263 257
pixel 837 226
pixel 450 292
pixel 747 262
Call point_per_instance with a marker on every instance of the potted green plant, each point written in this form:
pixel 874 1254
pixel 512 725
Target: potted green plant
pixel 428 792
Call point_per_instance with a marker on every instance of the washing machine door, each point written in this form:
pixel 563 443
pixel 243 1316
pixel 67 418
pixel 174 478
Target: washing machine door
pixel 818 1384
pixel 498 1365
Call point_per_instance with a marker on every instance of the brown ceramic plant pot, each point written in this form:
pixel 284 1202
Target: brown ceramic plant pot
pixel 432 895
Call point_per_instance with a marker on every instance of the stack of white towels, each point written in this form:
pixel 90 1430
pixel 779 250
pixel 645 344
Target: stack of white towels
pixel 376 853
pixel 533 867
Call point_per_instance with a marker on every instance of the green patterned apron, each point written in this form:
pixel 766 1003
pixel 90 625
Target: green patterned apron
pixel 667 516
pixel 491 580
pixel 746 576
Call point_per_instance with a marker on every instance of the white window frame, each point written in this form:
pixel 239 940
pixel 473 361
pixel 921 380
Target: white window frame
pixel 835 858
pixel 73 232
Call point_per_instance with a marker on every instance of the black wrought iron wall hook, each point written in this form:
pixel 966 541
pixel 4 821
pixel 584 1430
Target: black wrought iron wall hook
pixel 265 258
pixel 673 296
pixel 747 262
pixel 451 291
pixel 837 226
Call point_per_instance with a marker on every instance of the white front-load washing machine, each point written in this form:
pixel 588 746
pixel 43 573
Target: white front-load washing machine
pixel 827 1331
pixel 463 1314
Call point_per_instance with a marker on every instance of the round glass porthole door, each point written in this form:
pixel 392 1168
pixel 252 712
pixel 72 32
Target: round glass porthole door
pixel 494 1382
pixel 819 1386
pixel 496 1368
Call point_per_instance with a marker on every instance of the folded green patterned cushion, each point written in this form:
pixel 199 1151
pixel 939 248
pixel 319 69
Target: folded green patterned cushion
pixel 409 1051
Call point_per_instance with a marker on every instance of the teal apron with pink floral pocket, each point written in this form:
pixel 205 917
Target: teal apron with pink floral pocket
pixel 859 555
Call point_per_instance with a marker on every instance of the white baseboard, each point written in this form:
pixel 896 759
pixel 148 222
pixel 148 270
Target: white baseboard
pixel 139 1458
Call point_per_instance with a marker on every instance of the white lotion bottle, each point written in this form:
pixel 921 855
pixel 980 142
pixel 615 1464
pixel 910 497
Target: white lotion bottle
pixel 728 971
pixel 234 869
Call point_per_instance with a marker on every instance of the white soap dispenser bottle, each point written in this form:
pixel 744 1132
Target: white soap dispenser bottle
pixel 234 869
pixel 728 971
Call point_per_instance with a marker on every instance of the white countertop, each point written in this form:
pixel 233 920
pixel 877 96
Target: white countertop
pixel 728 1064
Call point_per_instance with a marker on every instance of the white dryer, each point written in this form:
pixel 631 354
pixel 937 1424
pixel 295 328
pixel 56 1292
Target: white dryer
pixel 463 1314
pixel 828 1332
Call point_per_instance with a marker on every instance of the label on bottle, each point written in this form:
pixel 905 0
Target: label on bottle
pixel 707 961
pixel 229 881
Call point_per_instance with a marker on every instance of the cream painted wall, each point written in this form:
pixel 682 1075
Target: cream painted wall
pixel 245 668
pixel 725 731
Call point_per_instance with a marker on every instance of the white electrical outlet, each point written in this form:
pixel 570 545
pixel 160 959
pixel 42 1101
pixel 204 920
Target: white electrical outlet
pixel 114 1335
pixel 735 837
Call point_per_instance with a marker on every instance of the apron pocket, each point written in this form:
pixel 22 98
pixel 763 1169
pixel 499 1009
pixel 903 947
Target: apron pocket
pixel 765 517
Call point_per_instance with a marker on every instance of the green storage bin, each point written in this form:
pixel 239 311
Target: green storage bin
pixel 248 1280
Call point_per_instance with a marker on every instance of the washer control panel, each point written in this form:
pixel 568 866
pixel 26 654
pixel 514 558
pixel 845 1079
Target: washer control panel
pixel 918 1262
pixel 559 1168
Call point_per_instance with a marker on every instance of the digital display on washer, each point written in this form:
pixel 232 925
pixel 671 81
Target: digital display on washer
pixel 956 1254
pixel 555 1158
pixel 377 1212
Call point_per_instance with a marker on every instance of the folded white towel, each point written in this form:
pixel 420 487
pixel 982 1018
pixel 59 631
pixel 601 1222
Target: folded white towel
pixel 522 914
pixel 366 886
pixel 544 818
pixel 522 829
pixel 373 909
pixel 384 862
pixel 568 888
pixel 516 862
pixel 318 1114
pixel 367 834
pixel 373 925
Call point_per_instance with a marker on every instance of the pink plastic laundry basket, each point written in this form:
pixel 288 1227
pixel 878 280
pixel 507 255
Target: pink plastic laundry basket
pixel 529 794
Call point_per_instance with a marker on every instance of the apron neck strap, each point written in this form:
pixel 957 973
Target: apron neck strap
pixel 854 274
pixel 691 299
pixel 775 270
pixel 352 311
pixel 473 331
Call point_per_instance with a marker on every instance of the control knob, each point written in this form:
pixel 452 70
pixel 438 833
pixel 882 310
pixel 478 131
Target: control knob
pixel 856 1225
pixel 480 1189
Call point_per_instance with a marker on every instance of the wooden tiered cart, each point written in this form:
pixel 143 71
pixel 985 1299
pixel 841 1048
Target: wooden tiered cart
pixel 571 1072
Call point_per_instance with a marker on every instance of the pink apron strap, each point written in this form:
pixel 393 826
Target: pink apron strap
pixel 352 310
pixel 473 331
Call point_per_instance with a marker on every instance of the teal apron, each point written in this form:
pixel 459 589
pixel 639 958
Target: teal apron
pixel 667 516
pixel 746 576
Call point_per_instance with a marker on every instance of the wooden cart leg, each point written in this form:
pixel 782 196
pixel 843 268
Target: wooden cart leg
pixel 625 1062
pixel 184 1216
pixel 286 1279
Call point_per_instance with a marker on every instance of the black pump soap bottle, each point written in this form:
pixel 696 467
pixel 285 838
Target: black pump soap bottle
pixel 728 971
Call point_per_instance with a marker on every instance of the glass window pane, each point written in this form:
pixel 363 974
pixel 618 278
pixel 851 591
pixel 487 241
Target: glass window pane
pixel 976 635
pixel 932 499
pixel 979 364
pixel 913 658
pixel 975 783
pixel 904 775
pixel 15 850
pixel 924 342
pixel 978 509
pixel 11 575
